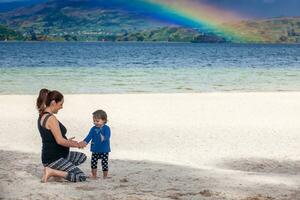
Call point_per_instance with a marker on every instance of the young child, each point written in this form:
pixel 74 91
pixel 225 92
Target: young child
pixel 100 145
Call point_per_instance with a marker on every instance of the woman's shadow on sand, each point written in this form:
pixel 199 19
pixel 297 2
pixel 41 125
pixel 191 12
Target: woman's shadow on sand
pixel 148 180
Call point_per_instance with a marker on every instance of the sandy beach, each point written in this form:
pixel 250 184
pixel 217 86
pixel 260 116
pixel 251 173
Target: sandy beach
pixel 240 146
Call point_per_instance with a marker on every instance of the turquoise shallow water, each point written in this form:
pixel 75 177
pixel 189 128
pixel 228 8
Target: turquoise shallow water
pixel 147 67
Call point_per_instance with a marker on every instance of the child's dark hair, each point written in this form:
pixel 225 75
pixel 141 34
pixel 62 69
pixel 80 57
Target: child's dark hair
pixel 100 114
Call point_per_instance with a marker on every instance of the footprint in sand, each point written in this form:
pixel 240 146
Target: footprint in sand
pixel 206 193
pixel 120 186
pixel 124 180
pixel 172 189
pixel 85 188
pixel 259 197
pixel 178 195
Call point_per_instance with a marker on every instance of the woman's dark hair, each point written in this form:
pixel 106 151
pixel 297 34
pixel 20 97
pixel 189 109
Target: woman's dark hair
pixel 45 97
pixel 100 114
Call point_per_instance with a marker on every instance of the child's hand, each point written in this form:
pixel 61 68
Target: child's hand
pixel 82 144
pixel 102 137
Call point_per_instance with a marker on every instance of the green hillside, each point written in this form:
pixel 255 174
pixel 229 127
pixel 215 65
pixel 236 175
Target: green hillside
pixel 90 20
pixel 9 34
pixel 276 30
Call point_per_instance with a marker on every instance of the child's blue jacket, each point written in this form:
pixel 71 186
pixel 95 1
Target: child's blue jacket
pixel 98 146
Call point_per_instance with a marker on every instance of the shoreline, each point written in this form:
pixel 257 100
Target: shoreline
pixel 165 93
pixel 155 42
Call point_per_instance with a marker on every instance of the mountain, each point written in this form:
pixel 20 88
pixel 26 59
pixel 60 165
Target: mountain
pixel 274 30
pixel 57 16
pixel 90 20
pixel 9 34
pixel 93 20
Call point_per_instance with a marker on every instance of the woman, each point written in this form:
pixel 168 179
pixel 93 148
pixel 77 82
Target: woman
pixel 57 158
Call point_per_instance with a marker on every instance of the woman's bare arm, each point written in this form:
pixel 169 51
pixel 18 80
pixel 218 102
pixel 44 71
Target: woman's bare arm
pixel 53 125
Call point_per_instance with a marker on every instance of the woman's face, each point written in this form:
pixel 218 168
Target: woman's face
pixel 57 106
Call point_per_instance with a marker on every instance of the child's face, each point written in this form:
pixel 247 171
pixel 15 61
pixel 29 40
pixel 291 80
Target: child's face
pixel 98 122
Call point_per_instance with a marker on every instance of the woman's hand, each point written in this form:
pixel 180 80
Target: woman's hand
pixel 79 145
pixel 73 143
pixel 82 144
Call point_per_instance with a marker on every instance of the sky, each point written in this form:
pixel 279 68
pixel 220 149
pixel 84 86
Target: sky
pixel 260 8
pixel 254 9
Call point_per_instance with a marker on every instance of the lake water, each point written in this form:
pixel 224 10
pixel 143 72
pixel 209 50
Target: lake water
pixel 147 67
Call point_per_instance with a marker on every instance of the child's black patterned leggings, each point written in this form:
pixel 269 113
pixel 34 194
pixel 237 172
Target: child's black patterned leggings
pixel 104 160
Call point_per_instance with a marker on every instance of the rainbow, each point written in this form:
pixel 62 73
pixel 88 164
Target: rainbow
pixel 196 14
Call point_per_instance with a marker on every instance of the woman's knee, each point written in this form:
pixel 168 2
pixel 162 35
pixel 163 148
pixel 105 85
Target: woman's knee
pixel 76 175
pixel 79 158
pixel 82 159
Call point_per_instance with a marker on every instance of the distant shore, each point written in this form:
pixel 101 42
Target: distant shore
pixel 162 41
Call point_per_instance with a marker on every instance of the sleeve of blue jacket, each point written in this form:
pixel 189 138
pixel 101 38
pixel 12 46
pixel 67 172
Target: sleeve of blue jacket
pixel 88 138
pixel 106 133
